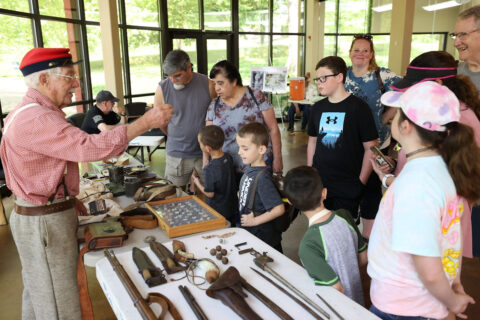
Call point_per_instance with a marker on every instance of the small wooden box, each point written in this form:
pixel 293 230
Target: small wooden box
pixel 185 215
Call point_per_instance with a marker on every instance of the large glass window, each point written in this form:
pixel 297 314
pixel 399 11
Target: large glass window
pixel 183 14
pixel 144 54
pixel 216 51
pixel 95 54
pixel 288 16
pixel 145 14
pixel 59 8
pixel 353 16
pixel 218 15
pixel 15 33
pixel 253 53
pixel 17 5
pixel 91 10
pixel 253 16
pixel 426 42
pixel 287 52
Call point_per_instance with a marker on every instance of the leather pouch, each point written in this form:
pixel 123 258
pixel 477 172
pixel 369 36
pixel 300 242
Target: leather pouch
pixel 104 235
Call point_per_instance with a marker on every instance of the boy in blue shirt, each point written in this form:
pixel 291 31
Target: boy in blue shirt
pixel 252 140
pixel 332 249
pixel 219 185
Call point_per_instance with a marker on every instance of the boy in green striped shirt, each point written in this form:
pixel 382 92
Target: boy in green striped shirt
pixel 332 249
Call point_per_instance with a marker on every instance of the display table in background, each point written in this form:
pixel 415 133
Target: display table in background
pixel 146 141
pixel 123 306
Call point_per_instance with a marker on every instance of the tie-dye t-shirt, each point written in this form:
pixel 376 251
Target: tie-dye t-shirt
pixel 419 214
pixel 366 88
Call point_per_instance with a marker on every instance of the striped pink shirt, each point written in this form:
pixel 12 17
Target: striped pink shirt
pixel 40 144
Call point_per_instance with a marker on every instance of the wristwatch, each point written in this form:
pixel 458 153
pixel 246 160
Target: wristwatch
pixel 384 179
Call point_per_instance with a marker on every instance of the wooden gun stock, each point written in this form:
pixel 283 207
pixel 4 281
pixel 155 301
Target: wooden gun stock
pixel 139 302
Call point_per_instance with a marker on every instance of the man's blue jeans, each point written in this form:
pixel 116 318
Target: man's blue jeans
pixel 291 115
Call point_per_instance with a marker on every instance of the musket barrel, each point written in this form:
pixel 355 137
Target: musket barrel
pixel 298 292
pixel 138 301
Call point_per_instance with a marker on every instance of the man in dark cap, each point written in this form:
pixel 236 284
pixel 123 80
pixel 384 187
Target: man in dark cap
pixel 40 152
pixel 100 117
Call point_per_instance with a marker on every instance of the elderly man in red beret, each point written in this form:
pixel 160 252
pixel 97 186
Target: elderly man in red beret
pixel 40 151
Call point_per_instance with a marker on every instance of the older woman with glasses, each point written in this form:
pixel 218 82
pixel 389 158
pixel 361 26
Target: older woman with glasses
pixel 367 81
pixel 236 106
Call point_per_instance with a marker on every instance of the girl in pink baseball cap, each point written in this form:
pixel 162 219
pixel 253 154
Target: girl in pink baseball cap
pixel 415 247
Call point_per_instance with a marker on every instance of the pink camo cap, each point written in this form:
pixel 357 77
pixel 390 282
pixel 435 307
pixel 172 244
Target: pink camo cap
pixel 428 104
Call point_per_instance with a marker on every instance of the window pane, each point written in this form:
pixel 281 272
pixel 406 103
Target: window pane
pixel 15 32
pixel 288 16
pixel 425 42
pixel 330 16
pixel 59 8
pixel 253 53
pixel 381 21
pixel 344 43
pixel 91 10
pixel 288 52
pixel 183 14
pixel 189 45
pixel 253 15
pixel 216 51
pixel 218 15
pixel 142 13
pixel 145 65
pixel 17 5
pixel 382 48
pixel 96 59
pixel 328 46
pixel 353 16
pixel 146 99
pixel 60 35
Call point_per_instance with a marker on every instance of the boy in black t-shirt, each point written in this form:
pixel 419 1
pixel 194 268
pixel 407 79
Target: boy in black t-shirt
pixel 252 140
pixel 341 131
pixel 219 185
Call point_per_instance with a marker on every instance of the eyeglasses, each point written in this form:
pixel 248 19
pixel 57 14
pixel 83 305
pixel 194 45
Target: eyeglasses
pixel 322 79
pixel 365 36
pixel 461 35
pixel 72 78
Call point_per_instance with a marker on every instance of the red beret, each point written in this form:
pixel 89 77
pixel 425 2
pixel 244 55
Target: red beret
pixel 39 59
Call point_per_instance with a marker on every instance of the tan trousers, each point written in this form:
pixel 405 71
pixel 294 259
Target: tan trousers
pixel 48 251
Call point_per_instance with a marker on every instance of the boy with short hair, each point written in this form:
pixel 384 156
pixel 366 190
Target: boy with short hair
pixel 332 249
pixel 252 140
pixel 219 185
pixel 341 131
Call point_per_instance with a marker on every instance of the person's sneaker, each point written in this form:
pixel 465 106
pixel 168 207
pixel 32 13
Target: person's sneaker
pixel 290 129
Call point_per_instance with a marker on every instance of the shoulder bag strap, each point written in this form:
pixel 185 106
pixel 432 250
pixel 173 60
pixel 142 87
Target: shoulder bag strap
pixel 25 107
pixel 253 190
pixel 379 80
pixel 253 95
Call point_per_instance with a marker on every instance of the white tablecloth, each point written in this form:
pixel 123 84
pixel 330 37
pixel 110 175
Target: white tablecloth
pixel 123 306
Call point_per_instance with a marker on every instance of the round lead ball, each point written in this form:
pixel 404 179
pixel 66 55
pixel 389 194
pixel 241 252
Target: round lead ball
pixel 213 252
pixel 219 248
pixel 224 260
pixel 224 252
pixel 219 256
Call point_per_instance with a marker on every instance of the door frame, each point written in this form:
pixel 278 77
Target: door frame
pixel 201 37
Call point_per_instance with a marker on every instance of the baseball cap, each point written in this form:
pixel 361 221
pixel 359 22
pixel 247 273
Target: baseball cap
pixel 420 74
pixel 39 59
pixel 427 104
pixel 105 95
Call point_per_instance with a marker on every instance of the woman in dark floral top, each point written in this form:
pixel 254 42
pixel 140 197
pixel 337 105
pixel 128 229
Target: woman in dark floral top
pixel 236 106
